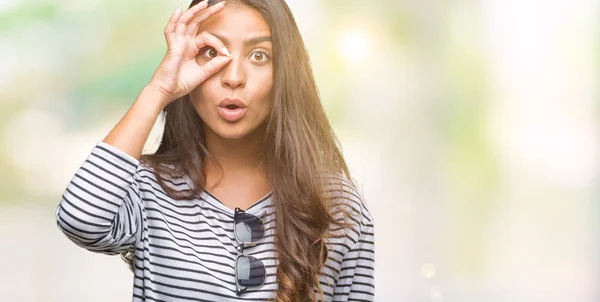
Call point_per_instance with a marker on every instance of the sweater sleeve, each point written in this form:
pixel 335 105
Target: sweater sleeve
pixel 357 281
pixel 100 209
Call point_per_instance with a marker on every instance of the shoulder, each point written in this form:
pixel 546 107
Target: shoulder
pixel 144 175
pixel 156 176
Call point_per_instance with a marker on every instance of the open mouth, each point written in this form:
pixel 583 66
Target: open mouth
pixel 232 113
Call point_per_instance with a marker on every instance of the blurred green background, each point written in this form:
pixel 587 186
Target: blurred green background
pixel 472 128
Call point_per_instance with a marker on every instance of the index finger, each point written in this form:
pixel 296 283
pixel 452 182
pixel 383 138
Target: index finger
pixel 189 14
pixel 202 16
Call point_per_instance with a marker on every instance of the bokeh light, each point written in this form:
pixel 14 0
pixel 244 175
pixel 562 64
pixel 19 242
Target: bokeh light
pixel 353 46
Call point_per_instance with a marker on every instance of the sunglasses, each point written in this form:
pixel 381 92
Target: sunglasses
pixel 249 271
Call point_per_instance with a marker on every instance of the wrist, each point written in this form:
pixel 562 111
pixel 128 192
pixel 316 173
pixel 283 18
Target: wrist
pixel 152 99
pixel 156 96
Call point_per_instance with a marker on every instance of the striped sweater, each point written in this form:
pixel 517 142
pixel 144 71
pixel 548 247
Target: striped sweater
pixel 185 250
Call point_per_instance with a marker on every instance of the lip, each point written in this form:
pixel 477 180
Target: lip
pixel 232 101
pixel 232 115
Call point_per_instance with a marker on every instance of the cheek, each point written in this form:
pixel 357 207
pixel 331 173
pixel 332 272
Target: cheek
pixel 263 98
pixel 202 94
pixel 263 86
pixel 200 98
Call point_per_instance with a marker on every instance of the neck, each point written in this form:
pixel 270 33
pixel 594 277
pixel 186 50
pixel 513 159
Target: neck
pixel 234 156
pixel 234 173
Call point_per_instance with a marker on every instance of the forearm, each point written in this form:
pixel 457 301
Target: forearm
pixel 132 131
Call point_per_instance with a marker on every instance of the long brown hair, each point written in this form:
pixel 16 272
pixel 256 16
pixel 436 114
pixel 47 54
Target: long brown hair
pixel 299 145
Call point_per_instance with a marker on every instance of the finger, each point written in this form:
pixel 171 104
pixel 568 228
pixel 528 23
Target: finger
pixel 202 16
pixel 205 39
pixel 211 67
pixel 170 27
pixel 189 15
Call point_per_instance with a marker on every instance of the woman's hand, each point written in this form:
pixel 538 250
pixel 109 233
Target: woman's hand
pixel 179 73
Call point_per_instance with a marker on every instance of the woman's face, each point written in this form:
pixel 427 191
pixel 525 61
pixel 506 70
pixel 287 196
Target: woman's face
pixel 236 100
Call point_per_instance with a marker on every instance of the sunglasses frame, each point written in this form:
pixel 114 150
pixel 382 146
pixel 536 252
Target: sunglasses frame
pixel 239 289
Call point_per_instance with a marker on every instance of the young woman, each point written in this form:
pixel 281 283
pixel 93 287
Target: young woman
pixel 248 197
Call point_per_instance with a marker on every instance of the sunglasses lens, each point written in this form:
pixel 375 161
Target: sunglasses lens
pixel 248 228
pixel 250 271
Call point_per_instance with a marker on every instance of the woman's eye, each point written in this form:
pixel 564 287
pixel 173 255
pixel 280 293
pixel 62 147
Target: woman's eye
pixel 210 53
pixel 259 56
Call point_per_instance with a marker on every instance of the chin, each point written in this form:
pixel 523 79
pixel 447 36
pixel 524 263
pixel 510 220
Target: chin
pixel 231 135
pixel 241 129
pixel 232 131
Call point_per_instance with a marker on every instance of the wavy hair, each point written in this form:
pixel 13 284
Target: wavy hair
pixel 299 145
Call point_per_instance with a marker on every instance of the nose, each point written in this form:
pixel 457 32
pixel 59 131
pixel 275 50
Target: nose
pixel 234 75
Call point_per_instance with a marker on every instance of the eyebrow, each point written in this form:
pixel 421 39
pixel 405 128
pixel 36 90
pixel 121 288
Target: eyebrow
pixel 247 42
